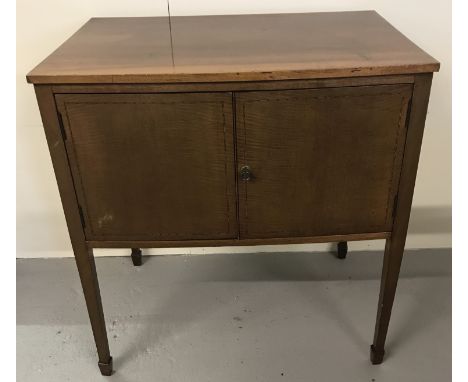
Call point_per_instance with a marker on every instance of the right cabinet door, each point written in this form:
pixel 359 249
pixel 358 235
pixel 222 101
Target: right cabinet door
pixel 319 161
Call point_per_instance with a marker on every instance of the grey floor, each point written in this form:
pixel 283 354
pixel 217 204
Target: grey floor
pixel 240 317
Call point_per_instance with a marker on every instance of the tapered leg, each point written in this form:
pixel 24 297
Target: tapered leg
pixel 395 245
pixel 390 272
pixel 136 257
pixel 342 249
pixel 87 270
pixel 83 255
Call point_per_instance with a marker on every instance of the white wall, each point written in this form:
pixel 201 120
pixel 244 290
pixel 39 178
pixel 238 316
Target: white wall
pixel 41 228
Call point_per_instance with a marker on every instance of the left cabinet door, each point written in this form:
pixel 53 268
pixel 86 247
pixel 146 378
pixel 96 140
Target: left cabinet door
pixel 152 166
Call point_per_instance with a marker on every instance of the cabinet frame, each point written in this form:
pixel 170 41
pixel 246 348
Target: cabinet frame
pixel 54 90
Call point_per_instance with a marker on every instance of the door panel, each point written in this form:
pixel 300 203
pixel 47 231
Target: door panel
pixel 152 166
pixel 322 161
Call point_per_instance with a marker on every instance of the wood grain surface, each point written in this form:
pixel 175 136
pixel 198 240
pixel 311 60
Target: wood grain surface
pixel 152 166
pixel 233 48
pixel 324 162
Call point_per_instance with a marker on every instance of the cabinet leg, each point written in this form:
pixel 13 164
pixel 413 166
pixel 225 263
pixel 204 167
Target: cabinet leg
pixel 342 249
pixel 395 245
pixel 89 281
pixel 136 257
pixel 390 272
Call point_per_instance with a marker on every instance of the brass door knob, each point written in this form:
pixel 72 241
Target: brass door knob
pixel 246 173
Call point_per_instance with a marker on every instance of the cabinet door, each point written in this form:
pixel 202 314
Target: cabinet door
pixel 322 161
pixel 152 166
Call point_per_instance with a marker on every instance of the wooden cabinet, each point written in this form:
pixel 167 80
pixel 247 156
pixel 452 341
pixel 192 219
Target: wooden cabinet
pixel 235 130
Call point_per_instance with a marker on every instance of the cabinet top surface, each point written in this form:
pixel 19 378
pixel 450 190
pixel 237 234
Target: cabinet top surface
pixel 232 48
